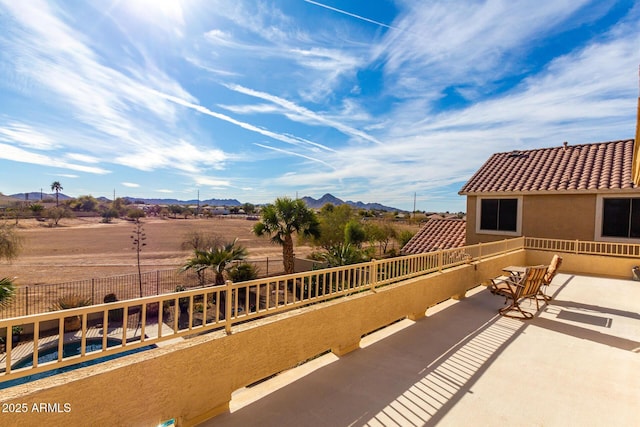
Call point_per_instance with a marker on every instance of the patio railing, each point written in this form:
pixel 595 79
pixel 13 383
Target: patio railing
pixel 581 247
pixel 108 330
pixel 105 330
pixel 41 298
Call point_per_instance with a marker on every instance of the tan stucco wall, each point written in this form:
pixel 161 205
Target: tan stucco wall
pixel 560 216
pixel 567 217
pixel 615 267
pixel 193 380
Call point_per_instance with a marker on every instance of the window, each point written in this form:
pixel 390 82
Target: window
pixel 499 216
pixel 621 217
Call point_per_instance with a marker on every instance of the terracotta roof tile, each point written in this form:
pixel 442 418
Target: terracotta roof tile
pixel 437 234
pixel 586 167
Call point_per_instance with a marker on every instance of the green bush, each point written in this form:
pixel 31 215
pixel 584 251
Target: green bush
pixel 243 272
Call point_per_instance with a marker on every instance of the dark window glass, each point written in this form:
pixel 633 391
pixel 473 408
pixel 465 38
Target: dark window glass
pixel 499 214
pixel 635 218
pixel 489 214
pixel 615 217
pixel 508 214
pixel 621 218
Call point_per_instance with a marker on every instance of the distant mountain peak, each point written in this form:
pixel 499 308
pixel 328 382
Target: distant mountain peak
pixel 330 198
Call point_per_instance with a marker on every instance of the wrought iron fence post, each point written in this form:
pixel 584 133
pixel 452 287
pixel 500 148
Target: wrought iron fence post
pixel 157 282
pixel 93 289
pixel 26 301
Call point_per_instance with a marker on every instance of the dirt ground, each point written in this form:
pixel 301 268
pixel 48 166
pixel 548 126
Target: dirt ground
pixel 84 248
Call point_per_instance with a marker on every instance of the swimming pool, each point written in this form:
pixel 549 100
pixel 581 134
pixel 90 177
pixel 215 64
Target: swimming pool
pixel 70 349
pixel 49 354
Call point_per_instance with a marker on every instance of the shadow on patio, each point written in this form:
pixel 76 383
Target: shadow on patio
pixel 463 364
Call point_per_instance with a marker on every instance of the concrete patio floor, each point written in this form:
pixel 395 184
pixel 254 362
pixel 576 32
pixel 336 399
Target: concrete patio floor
pixel 576 363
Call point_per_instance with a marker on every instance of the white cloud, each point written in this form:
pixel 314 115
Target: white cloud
pixel 305 115
pixel 130 184
pixel 180 155
pixel 581 97
pixel 9 152
pixel 447 42
pixel 26 136
pixel 211 182
pixel 82 158
pixel 278 136
pixel 58 59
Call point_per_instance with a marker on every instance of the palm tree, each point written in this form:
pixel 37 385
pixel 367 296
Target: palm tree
pixel 216 258
pixel 281 220
pixel 7 291
pixel 57 187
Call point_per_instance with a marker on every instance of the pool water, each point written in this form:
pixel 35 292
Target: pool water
pixel 69 349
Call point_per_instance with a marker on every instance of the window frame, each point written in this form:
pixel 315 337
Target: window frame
pixel 516 233
pixel 600 217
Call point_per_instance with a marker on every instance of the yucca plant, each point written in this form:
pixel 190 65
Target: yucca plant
pixel 72 323
pixel 71 301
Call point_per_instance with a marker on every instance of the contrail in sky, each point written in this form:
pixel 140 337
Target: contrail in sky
pixel 352 15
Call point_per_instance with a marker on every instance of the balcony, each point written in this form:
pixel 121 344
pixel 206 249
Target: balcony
pixel 576 362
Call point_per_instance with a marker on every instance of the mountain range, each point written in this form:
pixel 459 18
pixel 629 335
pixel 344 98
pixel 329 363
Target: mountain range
pixel 328 198
pixel 310 201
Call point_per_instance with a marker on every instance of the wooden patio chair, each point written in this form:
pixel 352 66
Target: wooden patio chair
pixel 556 262
pixel 519 288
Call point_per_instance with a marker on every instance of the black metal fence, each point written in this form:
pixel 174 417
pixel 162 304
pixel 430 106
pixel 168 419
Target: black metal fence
pixel 42 298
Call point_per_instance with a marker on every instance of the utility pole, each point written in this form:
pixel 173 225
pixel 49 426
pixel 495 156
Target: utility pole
pixel 414 204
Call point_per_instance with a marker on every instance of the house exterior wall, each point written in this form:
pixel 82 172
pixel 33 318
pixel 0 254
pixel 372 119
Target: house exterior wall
pixel 559 216
pixel 553 216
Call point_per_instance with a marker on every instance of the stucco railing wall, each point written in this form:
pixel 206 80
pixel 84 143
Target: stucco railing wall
pixel 193 380
pixel 594 265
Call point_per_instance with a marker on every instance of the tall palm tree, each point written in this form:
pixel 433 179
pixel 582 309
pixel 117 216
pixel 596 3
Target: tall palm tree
pixel 57 187
pixel 216 258
pixel 281 220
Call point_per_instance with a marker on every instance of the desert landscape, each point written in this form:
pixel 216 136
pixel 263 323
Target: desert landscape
pixel 84 248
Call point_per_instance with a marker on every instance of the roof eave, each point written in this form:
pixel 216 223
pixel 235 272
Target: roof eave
pixel 549 192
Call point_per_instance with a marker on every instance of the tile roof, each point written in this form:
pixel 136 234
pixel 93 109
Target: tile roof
pixel 437 234
pixel 586 167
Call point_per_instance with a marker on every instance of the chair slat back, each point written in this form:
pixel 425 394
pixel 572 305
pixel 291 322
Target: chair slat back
pixel 556 262
pixel 533 281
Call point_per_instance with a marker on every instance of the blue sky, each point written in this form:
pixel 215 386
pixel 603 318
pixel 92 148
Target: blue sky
pixel 372 101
